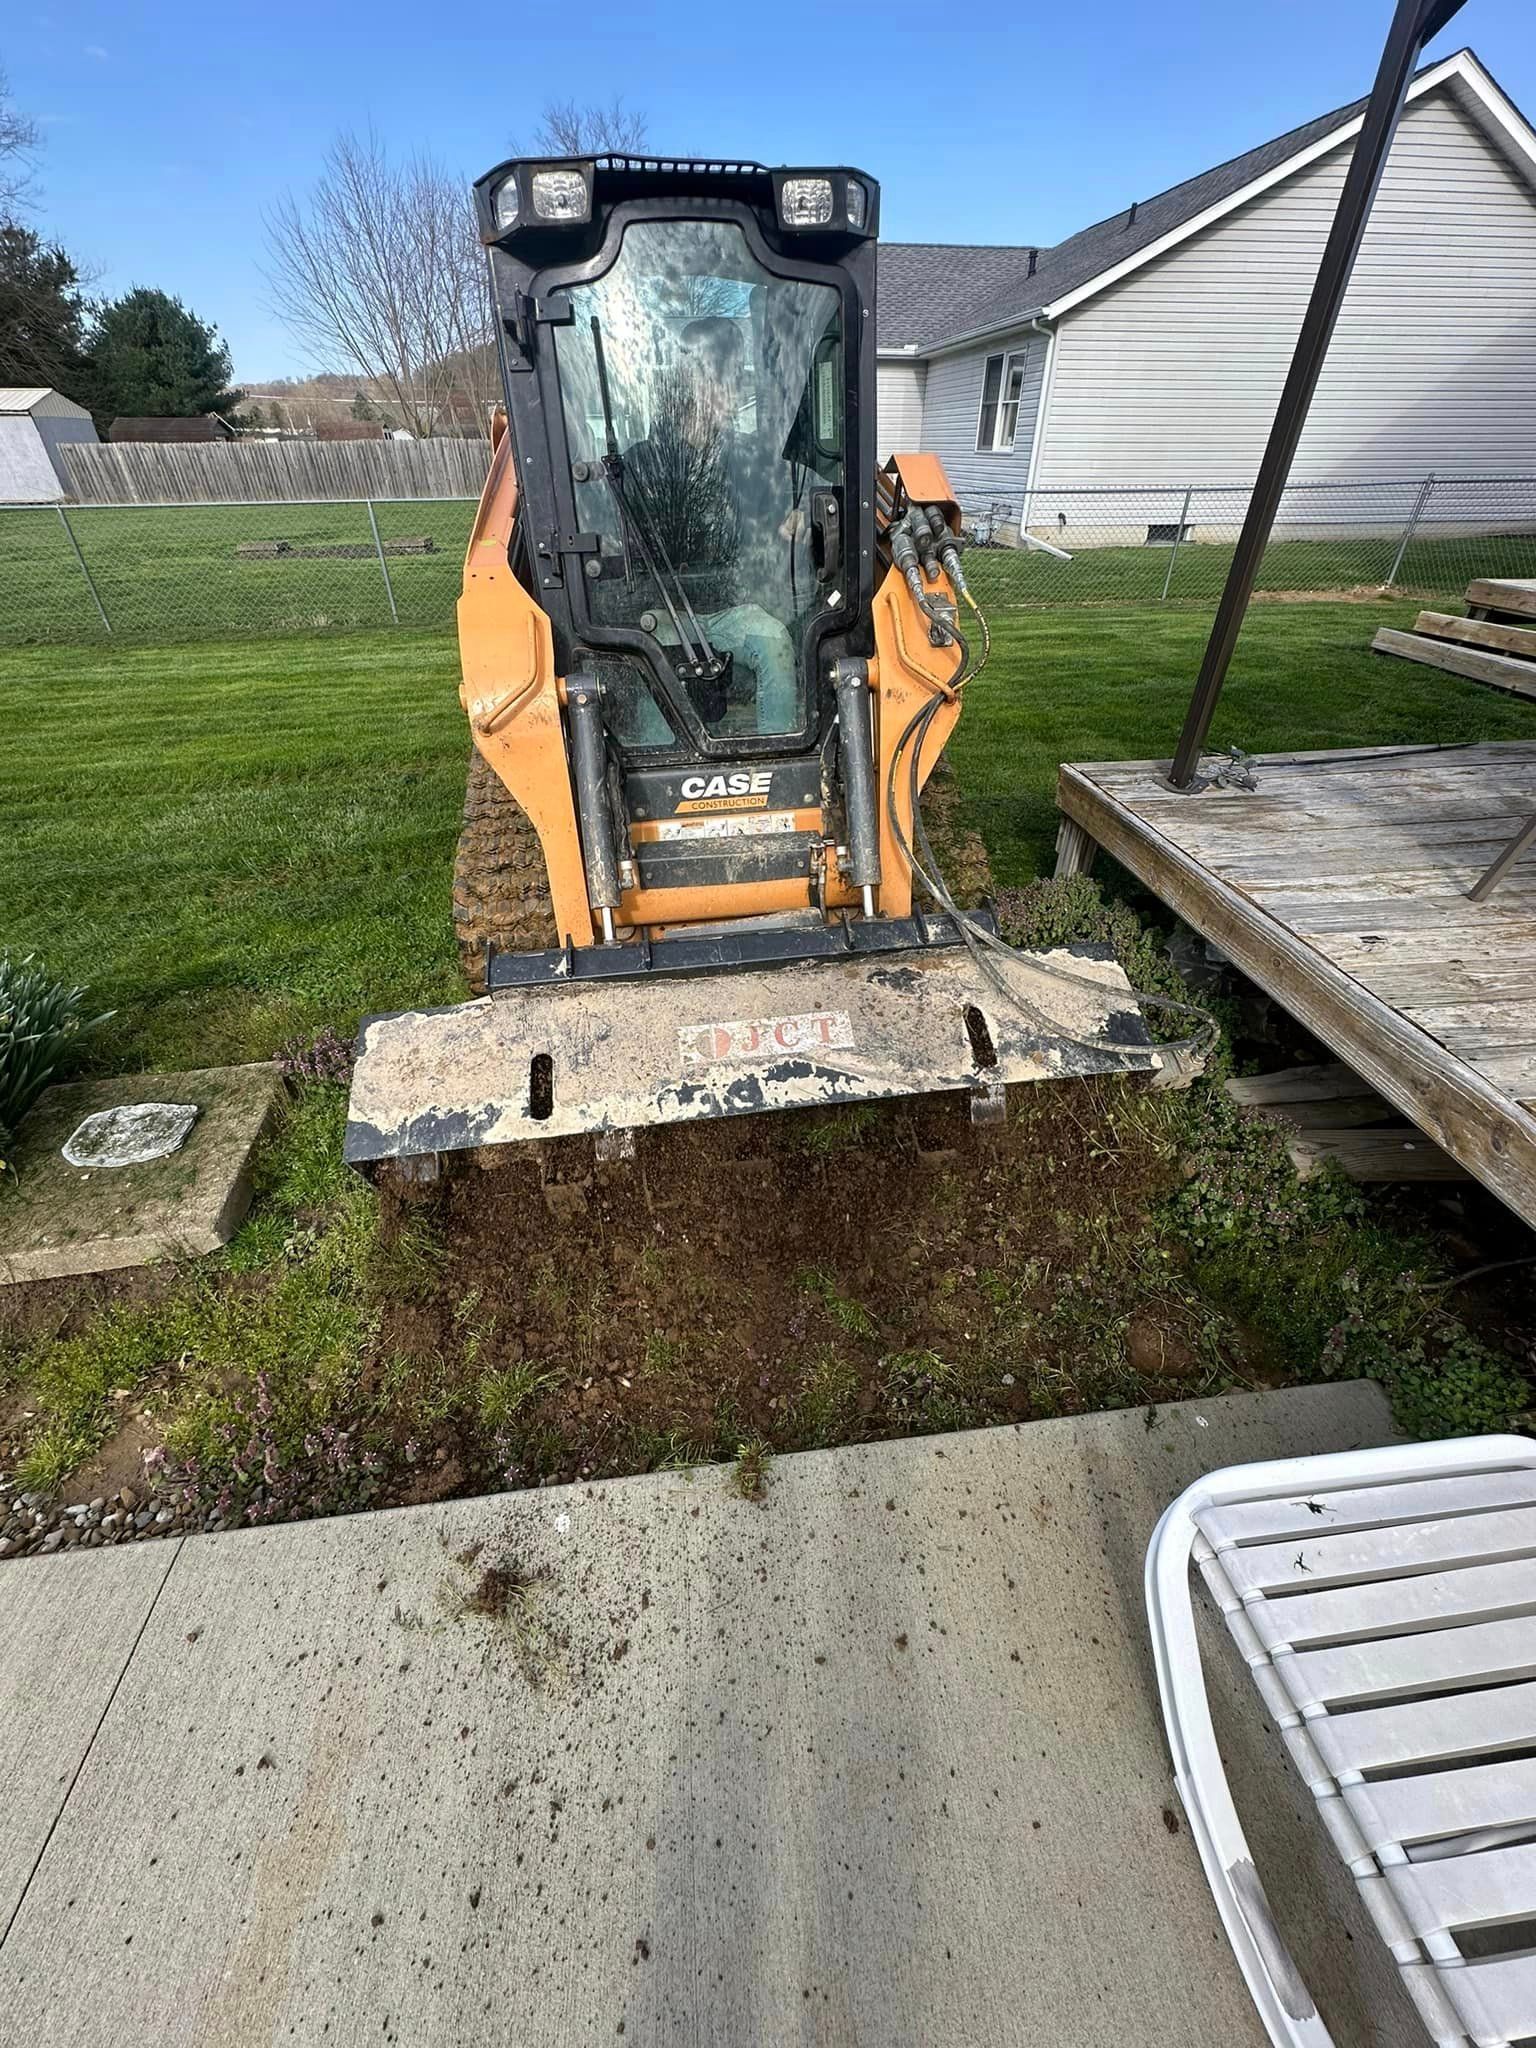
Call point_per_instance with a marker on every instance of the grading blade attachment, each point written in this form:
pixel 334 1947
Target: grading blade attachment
pixel 604 1055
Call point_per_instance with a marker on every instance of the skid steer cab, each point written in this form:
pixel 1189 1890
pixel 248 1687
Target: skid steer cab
pixel 688 494
pixel 711 653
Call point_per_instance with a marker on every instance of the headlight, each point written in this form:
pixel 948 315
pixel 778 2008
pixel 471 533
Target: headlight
pixel 506 205
pixel 561 195
pixel 806 202
pixel 858 203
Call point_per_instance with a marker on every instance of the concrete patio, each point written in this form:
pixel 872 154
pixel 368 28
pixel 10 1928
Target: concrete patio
pixel 877 1761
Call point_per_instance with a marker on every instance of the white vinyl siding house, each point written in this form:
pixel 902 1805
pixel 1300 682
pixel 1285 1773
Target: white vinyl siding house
pixel 1153 346
pixel 953 422
pixel 1173 374
pixel 899 406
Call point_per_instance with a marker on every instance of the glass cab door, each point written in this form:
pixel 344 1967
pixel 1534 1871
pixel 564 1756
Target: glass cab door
pixel 703 406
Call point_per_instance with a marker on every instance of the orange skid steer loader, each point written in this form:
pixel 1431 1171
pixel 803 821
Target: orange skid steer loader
pixel 711 654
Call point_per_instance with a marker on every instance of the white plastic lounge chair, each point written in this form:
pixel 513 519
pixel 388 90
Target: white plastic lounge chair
pixel 1385 1604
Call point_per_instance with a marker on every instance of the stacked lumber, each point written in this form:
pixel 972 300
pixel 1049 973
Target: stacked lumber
pixel 1333 1115
pixel 1495 643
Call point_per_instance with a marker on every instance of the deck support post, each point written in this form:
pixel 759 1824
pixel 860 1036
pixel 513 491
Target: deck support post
pixel 1500 867
pixel 1426 492
pixel 1412 26
pixel 1075 850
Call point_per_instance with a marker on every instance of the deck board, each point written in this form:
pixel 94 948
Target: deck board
pixel 1501 671
pixel 1340 885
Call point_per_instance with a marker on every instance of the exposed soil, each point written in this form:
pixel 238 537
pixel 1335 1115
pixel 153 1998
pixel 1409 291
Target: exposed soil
pixel 1360 593
pixel 808 1279
pixel 37 1310
pixel 120 1461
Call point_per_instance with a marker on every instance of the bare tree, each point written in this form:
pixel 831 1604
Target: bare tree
pixel 381 266
pixel 19 137
pixel 566 129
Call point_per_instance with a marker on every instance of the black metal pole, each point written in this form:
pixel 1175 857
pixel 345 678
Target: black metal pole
pixel 1412 26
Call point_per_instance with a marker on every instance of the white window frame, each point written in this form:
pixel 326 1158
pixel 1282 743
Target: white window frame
pixel 1005 407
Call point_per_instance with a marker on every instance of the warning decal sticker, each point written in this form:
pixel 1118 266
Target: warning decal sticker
pixel 726 828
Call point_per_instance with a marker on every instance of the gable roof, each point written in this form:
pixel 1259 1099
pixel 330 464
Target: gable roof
pixel 944 294
pixel 920 284
pixel 30 398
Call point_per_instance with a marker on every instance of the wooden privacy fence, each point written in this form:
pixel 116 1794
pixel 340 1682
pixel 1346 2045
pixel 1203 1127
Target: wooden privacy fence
pixel 271 472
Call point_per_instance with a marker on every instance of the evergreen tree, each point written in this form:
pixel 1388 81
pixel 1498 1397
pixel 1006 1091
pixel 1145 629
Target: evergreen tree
pixel 153 359
pixel 363 407
pixel 42 315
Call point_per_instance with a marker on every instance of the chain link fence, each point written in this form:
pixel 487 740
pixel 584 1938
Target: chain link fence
pixel 166 572
pixel 205 572
pixel 1419 537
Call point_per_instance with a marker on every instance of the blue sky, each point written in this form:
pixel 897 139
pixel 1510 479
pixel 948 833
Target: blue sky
pixel 169 127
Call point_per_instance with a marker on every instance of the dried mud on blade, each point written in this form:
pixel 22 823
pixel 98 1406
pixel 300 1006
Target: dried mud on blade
pixel 554 1062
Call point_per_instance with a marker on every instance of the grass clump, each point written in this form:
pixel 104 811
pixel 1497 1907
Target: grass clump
pixel 825 1410
pixel 675 1450
pixel 826 1133
pixel 662 1355
pixel 269 1418
pixel 749 1475
pixel 73 1385
pixel 929 1395
pixel 504 1394
pixel 850 1316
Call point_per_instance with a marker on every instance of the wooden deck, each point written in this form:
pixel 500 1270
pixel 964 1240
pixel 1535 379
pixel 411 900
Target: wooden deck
pixel 1340 886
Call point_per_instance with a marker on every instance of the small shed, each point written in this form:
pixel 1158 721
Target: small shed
pixel 199 426
pixel 34 420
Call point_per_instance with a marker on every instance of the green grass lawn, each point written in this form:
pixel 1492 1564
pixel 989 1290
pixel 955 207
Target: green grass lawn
pixel 233 844
pixel 237 843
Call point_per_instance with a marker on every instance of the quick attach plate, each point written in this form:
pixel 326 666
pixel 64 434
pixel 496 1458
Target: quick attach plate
pixel 590 1055
pixel 727 949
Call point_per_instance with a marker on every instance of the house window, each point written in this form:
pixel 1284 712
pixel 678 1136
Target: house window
pixel 998 421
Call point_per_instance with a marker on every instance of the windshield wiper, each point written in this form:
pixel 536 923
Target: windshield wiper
pixel 704 665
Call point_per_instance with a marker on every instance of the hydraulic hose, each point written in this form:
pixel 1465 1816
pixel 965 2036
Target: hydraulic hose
pixel 987 949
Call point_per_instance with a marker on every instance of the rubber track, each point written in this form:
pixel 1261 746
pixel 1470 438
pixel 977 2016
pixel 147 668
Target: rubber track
pixel 500 883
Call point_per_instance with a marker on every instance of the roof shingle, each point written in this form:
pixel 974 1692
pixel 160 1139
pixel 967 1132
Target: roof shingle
pixel 931 293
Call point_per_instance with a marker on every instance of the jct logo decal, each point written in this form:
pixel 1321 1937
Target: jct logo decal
pixel 765 1038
